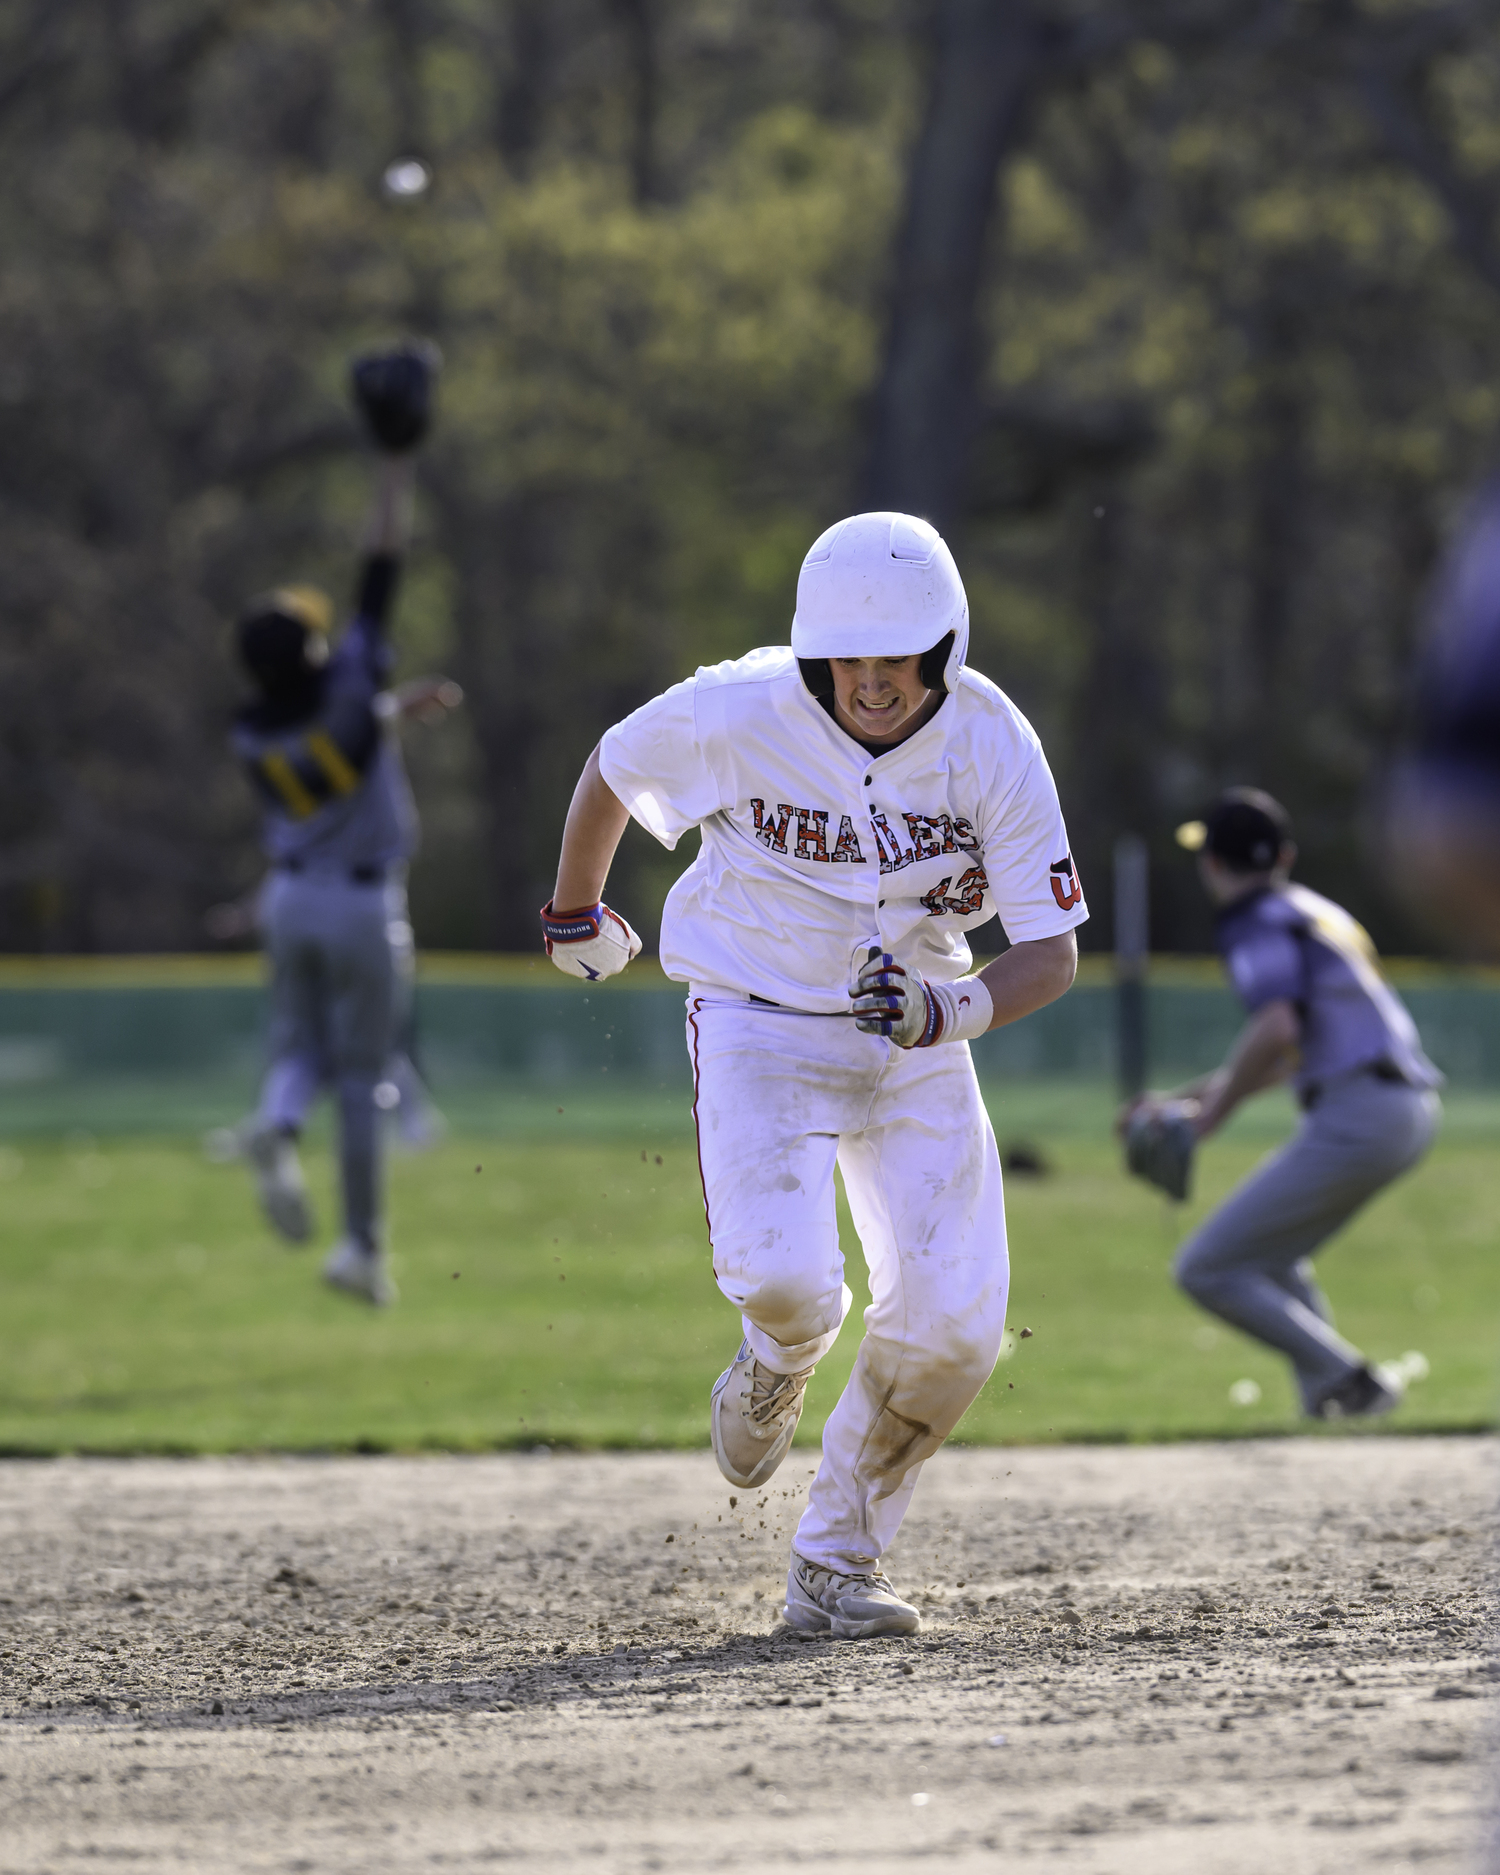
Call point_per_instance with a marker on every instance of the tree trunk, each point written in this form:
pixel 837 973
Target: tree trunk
pixel 1277 495
pixel 498 559
pixel 523 92
pixel 987 57
pixel 1120 704
pixel 638 22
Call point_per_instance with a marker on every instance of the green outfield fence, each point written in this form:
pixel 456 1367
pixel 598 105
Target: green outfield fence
pixel 152 1043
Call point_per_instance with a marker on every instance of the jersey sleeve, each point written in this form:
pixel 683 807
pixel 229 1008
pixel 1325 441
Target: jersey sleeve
pixel 656 762
pixel 365 657
pixel 1265 965
pixel 1027 860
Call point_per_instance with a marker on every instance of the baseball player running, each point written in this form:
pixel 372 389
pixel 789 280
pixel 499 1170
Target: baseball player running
pixel 318 745
pixel 1320 1013
pixel 864 799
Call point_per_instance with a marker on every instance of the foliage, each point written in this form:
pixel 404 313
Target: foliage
pixel 1238 361
pixel 653 359
pixel 1220 243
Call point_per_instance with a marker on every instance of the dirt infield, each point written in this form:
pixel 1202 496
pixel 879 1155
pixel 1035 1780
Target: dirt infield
pixel 1257 1657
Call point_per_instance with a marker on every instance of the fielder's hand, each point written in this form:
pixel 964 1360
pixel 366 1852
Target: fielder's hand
pixel 593 943
pixel 394 392
pixel 428 699
pixel 1159 1143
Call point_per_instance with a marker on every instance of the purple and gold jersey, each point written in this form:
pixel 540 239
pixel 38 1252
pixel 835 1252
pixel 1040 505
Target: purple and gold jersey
pixel 1288 943
pixel 332 782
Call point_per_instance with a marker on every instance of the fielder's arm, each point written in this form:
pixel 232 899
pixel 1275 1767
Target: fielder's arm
pixel 388 526
pixel 428 699
pixel 1264 1055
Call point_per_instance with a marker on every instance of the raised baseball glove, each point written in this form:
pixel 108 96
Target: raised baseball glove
pixel 394 393
pixel 1159 1145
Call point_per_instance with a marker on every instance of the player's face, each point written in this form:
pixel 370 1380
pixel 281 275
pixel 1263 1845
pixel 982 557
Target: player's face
pixel 878 698
pixel 1224 885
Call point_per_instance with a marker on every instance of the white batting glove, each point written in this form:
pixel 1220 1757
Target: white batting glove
pixel 593 943
pixel 899 1003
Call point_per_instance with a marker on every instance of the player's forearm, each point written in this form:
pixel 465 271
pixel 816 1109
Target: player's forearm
pixel 1029 976
pixel 596 821
pixel 1263 1056
pixel 388 529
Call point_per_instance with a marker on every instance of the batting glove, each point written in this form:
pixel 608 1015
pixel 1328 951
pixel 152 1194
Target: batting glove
pixel 891 1000
pixel 593 943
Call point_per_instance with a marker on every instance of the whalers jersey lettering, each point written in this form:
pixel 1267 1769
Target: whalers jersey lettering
pixel 967 899
pixel 929 835
pixel 811 846
pixel 772 832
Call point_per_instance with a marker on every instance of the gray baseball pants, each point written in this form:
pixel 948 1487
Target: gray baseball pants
pixel 1249 1262
pixel 341 971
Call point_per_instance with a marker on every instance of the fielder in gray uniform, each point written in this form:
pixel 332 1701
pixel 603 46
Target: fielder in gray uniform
pixel 1322 1015
pixel 318 744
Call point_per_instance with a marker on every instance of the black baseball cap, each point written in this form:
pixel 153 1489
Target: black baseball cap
pixel 1245 827
pixel 283 637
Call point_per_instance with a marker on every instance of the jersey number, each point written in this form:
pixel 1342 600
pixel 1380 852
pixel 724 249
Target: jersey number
pixel 968 898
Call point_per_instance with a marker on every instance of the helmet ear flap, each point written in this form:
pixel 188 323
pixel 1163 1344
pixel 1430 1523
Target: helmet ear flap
pixel 817 674
pixel 934 663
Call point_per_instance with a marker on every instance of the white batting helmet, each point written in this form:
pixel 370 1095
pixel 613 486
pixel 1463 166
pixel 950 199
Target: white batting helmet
pixel 881 586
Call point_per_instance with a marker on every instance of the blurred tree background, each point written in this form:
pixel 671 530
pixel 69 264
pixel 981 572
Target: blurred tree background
pixel 1180 320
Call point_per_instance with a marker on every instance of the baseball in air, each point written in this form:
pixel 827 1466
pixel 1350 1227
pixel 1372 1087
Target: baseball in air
pixel 406 179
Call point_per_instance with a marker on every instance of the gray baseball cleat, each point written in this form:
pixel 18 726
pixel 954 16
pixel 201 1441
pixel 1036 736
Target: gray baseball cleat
pixel 1365 1393
pixel 850 1607
pixel 279 1183
pixel 359 1271
pixel 752 1415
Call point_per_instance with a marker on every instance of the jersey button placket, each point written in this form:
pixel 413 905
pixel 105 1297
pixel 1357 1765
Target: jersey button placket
pixel 874 838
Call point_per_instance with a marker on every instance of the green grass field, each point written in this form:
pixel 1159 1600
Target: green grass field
pixel 556 1287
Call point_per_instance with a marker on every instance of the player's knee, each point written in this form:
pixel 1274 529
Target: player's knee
pixel 790 1307
pixel 1196 1275
pixel 968 1349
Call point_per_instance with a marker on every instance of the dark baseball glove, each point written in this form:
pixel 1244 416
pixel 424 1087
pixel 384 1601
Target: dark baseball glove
pixel 1159 1144
pixel 394 393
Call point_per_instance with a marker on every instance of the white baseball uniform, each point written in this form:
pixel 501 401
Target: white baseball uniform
pixel 814 849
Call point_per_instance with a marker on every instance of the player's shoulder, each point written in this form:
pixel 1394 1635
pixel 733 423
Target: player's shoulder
pixel 766 665
pixel 1325 919
pixel 1302 904
pixel 983 711
pixel 1300 908
pixel 1270 911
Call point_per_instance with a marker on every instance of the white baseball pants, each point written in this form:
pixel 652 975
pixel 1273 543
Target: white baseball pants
pixel 779 1098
